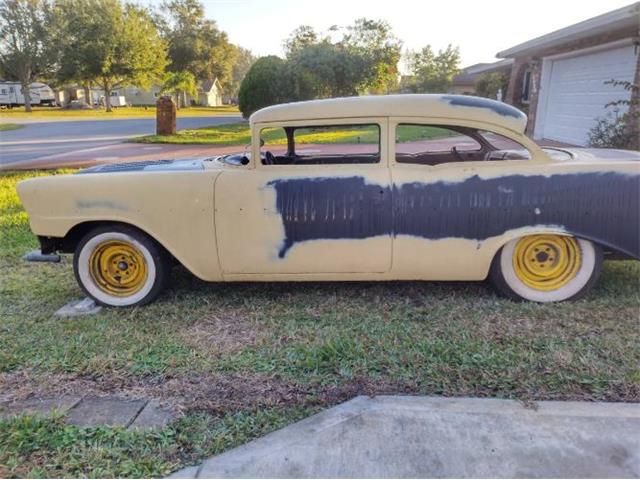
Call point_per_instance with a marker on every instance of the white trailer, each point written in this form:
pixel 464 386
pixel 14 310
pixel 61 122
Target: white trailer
pixel 47 95
pixel 11 94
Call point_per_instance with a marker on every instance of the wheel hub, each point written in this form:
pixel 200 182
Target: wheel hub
pixel 118 268
pixel 546 262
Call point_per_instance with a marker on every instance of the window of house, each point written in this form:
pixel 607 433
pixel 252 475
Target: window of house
pixel 434 145
pixel 11 90
pixel 321 145
pixel 4 91
pixel 526 86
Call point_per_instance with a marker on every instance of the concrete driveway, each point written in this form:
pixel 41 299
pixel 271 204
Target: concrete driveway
pixel 40 140
pixel 434 437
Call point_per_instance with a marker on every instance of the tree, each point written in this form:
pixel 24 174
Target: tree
pixel 267 82
pixel 379 51
pixel 26 47
pixel 195 43
pixel 432 72
pixel 300 38
pixel 364 60
pixel 110 44
pixel 325 70
pixel 488 84
pixel 179 84
pixel 243 62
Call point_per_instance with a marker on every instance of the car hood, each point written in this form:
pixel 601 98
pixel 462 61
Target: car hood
pixel 148 166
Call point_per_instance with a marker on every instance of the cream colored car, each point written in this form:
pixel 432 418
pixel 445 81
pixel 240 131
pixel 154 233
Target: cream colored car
pixel 404 187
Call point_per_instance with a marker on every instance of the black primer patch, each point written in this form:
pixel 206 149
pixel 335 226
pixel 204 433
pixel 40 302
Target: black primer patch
pixel 603 207
pixel 498 107
pixel 331 208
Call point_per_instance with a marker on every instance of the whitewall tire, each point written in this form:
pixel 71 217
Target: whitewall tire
pixel 546 268
pixel 119 266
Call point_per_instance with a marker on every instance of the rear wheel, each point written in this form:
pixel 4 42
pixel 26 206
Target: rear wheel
pixel 120 266
pixel 546 268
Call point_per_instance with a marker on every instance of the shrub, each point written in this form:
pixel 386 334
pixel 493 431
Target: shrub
pixel 619 130
pixel 267 83
pixel 488 84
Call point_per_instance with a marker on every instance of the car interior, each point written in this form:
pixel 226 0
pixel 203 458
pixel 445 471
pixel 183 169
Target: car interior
pixel 463 145
pixel 459 144
pixel 321 156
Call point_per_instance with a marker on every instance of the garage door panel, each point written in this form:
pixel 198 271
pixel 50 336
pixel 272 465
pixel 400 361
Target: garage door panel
pixel 577 94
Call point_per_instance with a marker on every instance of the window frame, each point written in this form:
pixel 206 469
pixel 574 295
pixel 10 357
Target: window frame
pixel 536 153
pixel 526 87
pixel 383 142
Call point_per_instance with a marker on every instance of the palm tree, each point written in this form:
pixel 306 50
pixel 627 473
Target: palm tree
pixel 180 84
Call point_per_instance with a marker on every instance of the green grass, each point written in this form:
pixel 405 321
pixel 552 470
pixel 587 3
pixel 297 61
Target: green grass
pixel 45 447
pixel 4 127
pixel 242 359
pixel 49 113
pixel 239 134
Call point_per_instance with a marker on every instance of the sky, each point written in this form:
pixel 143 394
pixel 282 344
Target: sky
pixel 479 28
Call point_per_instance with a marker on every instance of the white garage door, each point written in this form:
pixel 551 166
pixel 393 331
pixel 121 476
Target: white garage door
pixel 576 93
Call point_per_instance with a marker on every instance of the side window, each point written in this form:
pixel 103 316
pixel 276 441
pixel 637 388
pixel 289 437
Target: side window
pixel 434 145
pixel 321 145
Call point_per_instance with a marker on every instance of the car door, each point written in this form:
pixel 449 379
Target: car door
pixel 443 208
pixel 328 211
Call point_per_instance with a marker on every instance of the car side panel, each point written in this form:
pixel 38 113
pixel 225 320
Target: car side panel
pixel 451 220
pixel 175 208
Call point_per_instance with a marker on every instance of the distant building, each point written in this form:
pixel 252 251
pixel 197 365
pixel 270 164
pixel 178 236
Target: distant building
pixel 465 82
pixel 209 95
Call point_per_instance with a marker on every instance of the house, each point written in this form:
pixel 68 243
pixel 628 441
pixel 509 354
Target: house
pixel 210 93
pixel 465 82
pixel 141 96
pixel 559 78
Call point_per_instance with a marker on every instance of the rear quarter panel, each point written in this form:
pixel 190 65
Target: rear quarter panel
pixel 175 208
pixel 468 212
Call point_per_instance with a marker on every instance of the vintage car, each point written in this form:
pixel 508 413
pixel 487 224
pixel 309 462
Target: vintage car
pixel 398 187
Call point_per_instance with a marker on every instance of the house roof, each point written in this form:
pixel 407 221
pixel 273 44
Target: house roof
pixel 621 18
pixel 470 74
pixel 460 107
pixel 207 85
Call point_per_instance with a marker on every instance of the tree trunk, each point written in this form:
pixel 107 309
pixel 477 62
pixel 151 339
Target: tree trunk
pixel 107 98
pixel 87 95
pixel 27 96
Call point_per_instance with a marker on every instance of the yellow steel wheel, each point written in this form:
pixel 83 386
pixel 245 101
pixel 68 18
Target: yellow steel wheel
pixel 118 268
pixel 546 262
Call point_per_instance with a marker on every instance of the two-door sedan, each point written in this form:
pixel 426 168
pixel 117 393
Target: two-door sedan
pixel 398 187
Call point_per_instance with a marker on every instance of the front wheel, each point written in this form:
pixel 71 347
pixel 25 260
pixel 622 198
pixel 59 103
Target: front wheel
pixel 546 268
pixel 119 266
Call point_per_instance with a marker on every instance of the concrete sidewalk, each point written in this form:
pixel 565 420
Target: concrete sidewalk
pixel 409 437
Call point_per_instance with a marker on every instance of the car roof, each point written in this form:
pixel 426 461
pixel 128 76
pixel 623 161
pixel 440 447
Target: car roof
pixel 462 107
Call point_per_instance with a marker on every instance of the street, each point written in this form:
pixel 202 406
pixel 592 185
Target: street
pixel 39 140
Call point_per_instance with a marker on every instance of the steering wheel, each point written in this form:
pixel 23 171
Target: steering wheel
pixel 456 154
pixel 269 158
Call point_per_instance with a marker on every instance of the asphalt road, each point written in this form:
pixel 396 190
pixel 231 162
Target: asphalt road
pixel 42 139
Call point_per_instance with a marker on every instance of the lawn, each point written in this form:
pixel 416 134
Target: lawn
pixel 49 113
pixel 242 359
pixel 239 134
pixel 4 127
